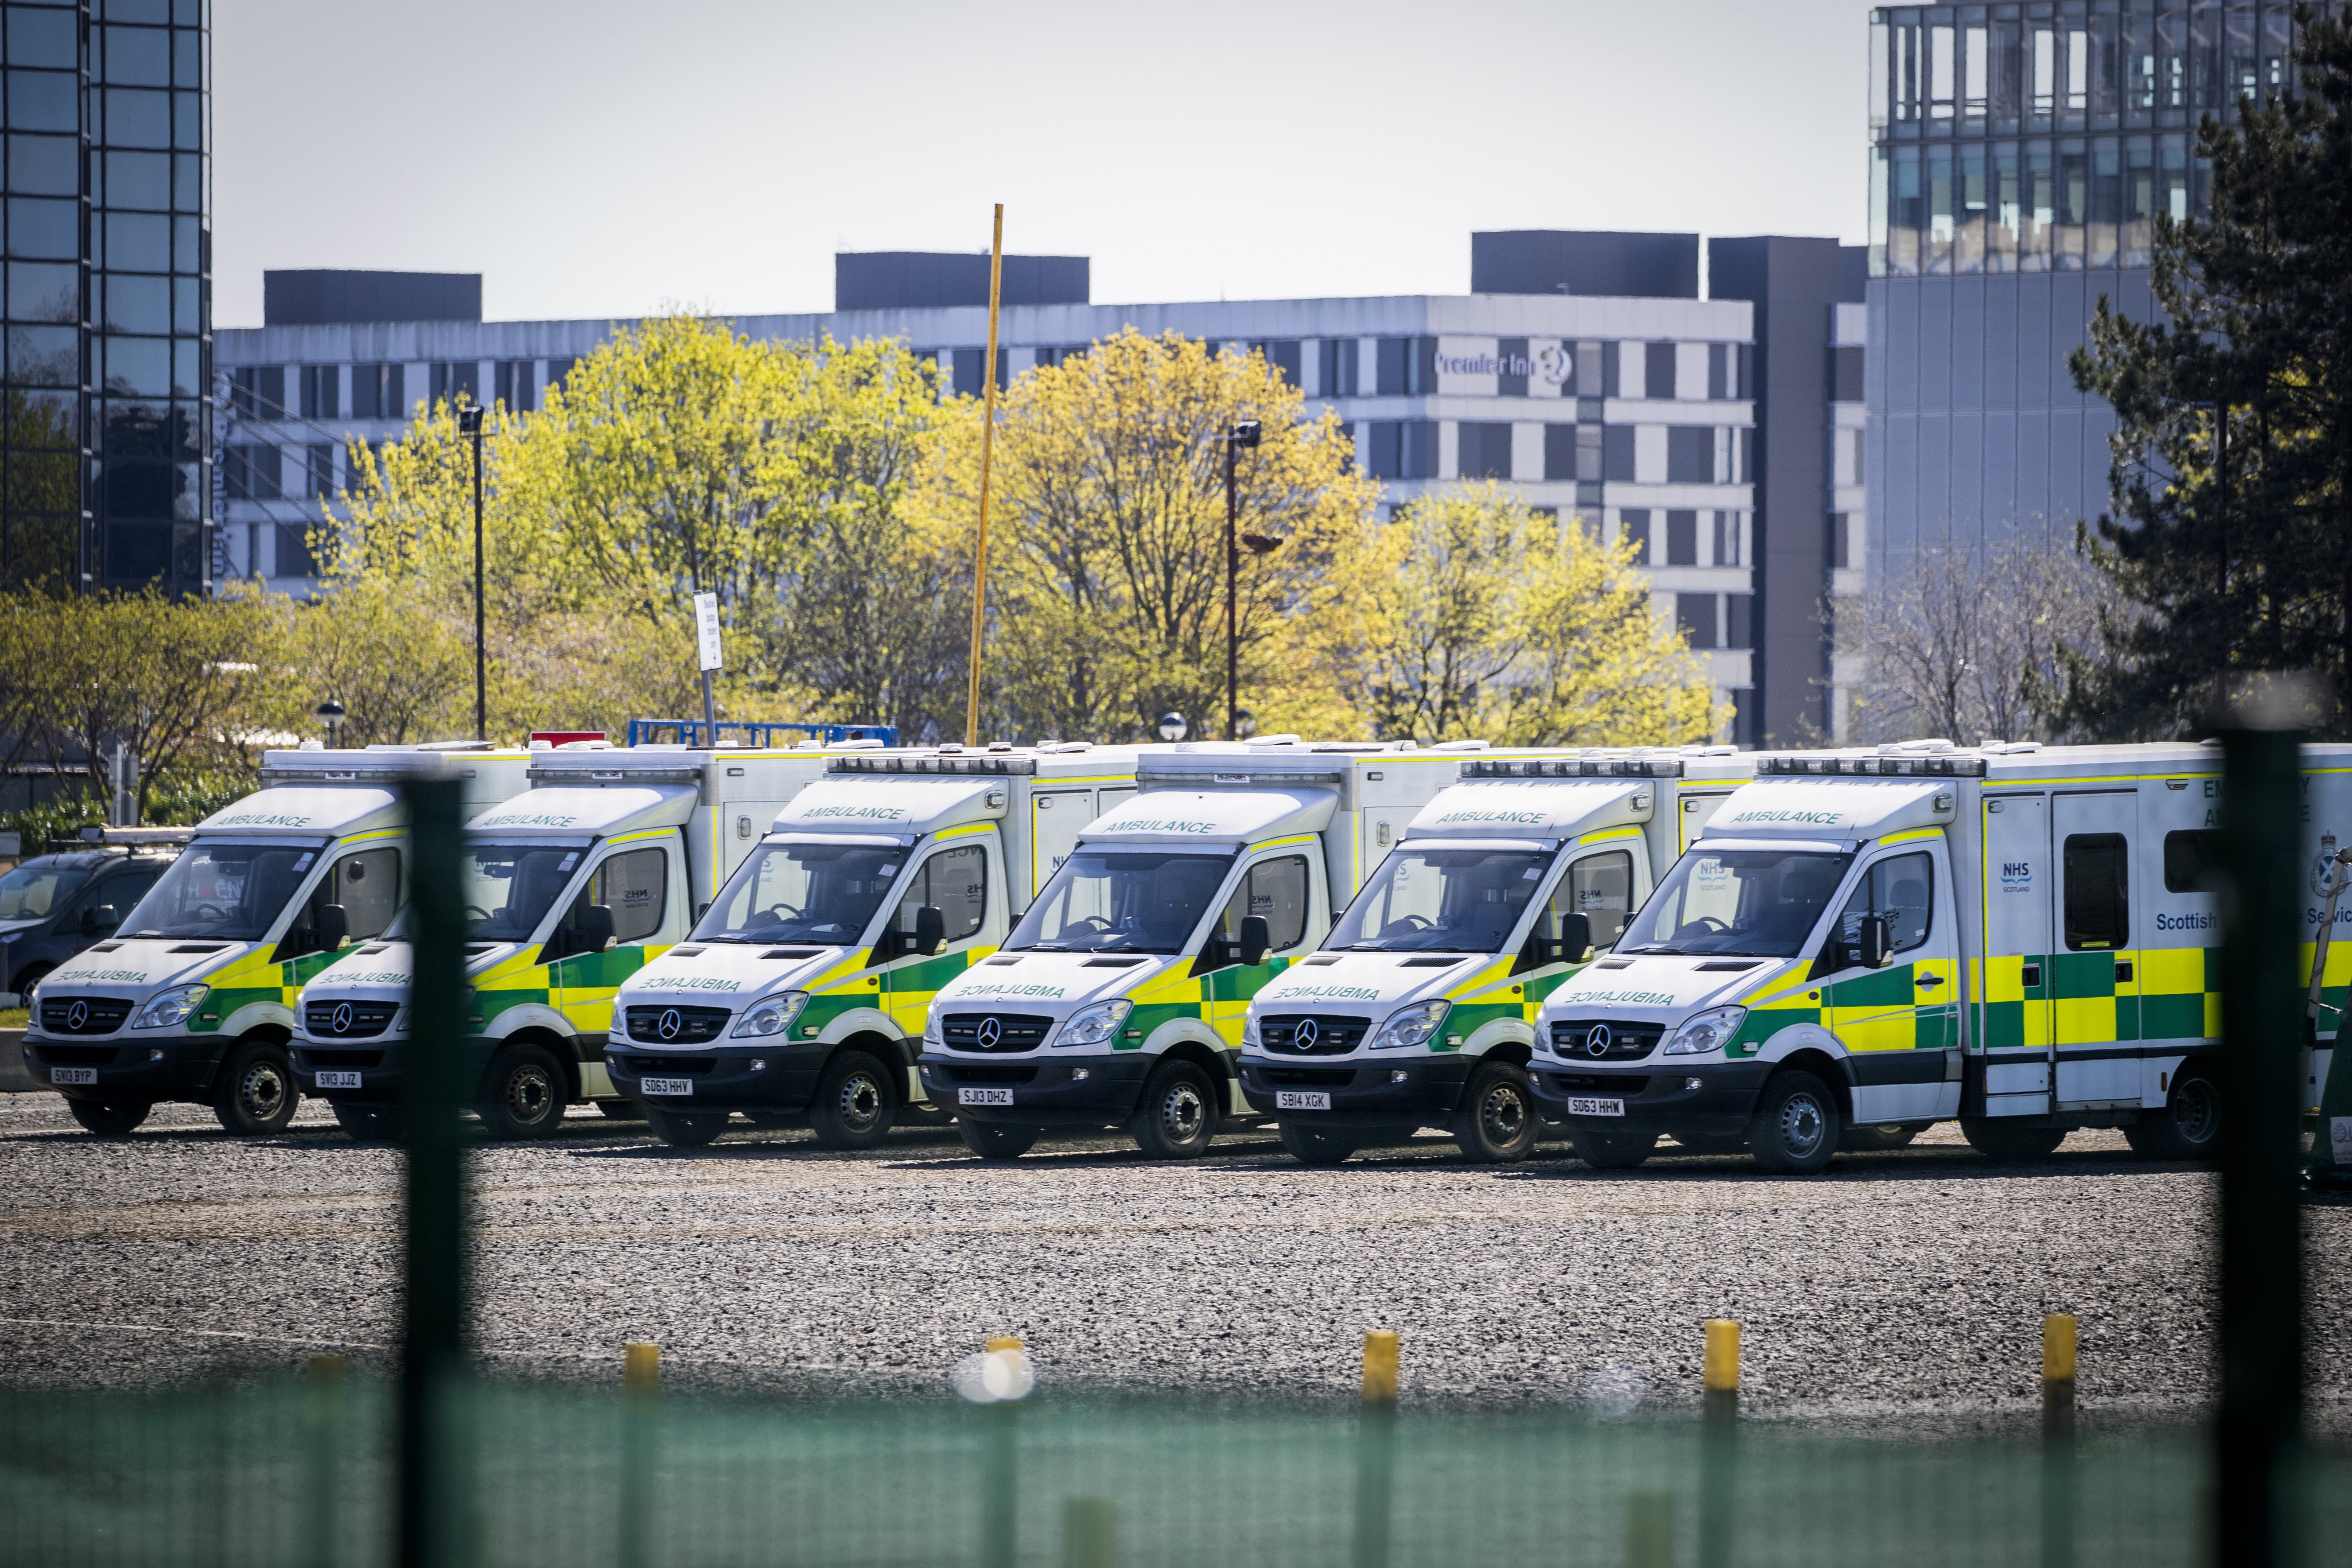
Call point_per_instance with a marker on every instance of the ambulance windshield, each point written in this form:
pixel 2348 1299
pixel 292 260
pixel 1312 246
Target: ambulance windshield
pixel 1425 899
pixel 1146 900
pixel 1759 903
pixel 509 888
pixel 805 891
pixel 230 892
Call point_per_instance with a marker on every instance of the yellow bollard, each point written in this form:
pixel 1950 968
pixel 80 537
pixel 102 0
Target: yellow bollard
pixel 1380 1366
pixel 1650 1531
pixel 641 1367
pixel 2058 1374
pixel 1004 1343
pixel 640 1382
pixel 2058 1440
pixel 1719 1370
pixel 1089 1533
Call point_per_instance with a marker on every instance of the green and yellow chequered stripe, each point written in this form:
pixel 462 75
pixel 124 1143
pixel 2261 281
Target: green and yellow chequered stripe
pixel 2174 993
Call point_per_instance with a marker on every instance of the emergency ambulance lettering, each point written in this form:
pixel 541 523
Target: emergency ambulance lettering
pixel 1632 998
pixel 1332 993
pixel 879 813
pixel 1524 818
pixel 1168 825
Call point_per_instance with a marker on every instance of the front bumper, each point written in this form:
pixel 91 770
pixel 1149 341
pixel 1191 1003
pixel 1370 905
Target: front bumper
pixel 128 1069
pixel 1366 1092
pixel 380 1062
pixel 1047 1089
pixel 722 1076
pixel 1656 1092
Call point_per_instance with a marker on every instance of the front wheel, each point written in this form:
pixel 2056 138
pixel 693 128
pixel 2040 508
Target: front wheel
pixel 687 1130
pixel 107 1121
pixel 996 1140
pixel 367 1123
pixel 2188 1128
pixel 854 1105
pixel 1178 1115
pixel 524 1096
pixel 2010 1142
pixel 1613 1151
pixel 1496 1124
pixel 1878 1139
pixel 1314 1145
pixel 1795 1130
pixel 257 1093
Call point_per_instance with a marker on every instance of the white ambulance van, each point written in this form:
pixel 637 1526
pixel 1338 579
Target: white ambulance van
pixel 192 999
pixel 570 888
pixel 802 993
pixel 1420 1009
pixel 2023 937
pixel 1118 1000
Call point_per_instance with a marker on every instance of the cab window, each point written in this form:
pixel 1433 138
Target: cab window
pixel 1277 889
pixel 1601 889
pixel 636 887
pixel 367 886
pixel 2098 891
pixel 37 889
pixel 1902 886
pixel 955 882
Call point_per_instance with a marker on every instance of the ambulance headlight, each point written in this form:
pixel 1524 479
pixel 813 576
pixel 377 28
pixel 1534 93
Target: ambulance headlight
pixel 1094 1026
pixel 1709 1031
pixel 1409 1026
pixel 933 1039
pixel 170 1007
pixel 1249 1032
pixel 772 1015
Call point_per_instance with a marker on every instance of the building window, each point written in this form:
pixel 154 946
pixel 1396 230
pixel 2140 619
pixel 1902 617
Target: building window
pixel 295 556
pixel 456 381
pixel 1845 375
pixel 376 392
pixel 249 472
pixel 1483 450
pixel 514 385
pixel 1595 369
pixel 258 390
pixel 1845 457
pixel 1740 620
pixel 1634 528
pixel 968 374
pixel 1617 454
pixel 1281 357
pixel 1403 449
pixel 1694 613
pixel 1560 451
pixel 1407 367
pixel 1727 539
pixel 1589 463
pixel 1682 539
pixel 559 370
pixel 1690 454
pixel 321 391
pixel 1335 368
pixel 320 469
pixel 1658 371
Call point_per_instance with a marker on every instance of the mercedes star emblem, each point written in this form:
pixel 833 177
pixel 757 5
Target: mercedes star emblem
pixel 988 1034
pixel 77 1016
pixel 669 1024
pixel 1596 1042
pixel 1305 1036
pixel 342 1017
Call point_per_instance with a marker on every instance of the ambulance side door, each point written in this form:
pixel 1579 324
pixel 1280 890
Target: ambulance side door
pixel 636 882
pixel 1900 1024
pixel 2012 1017
pixel 1056 817
pixel 954 879
pixel 1282 886
pixel 2094 1003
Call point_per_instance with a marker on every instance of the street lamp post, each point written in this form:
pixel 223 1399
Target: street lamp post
pixel 331 714
pixel 469 423
pixel 1244 433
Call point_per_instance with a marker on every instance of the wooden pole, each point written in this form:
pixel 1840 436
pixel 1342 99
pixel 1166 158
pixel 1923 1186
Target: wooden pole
pixel 987 439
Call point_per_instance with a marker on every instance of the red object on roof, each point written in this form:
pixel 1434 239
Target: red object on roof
pixel 558 737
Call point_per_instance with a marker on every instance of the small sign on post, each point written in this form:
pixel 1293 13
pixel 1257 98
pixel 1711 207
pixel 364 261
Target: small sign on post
pixel 706 636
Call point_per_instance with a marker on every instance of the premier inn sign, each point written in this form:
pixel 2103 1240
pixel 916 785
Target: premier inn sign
pixel 1552 363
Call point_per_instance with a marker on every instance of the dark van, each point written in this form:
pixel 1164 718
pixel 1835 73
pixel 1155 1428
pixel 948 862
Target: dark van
pixel 53 906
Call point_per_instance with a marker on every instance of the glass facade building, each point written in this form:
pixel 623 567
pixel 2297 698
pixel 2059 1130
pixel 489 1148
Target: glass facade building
pixel 107 293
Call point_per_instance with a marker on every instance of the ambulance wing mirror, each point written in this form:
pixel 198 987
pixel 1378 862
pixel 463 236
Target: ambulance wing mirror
pixel 931 929
pixel 334 928
pixel 1257 940
pixel 1876 947
pixel 595 933
pixel 1575 937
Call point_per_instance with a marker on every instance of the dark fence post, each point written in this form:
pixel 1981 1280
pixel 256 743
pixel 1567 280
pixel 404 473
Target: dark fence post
pixel 433 1533
pixel 2261 1252
pixel 322 1460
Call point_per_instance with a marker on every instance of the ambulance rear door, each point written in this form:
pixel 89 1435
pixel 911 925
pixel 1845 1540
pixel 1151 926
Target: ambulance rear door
pixel 2012 1005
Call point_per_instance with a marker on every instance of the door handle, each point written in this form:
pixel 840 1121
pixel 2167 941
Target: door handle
pixel 2031 975
pixel 1925 981
pixel 2123 970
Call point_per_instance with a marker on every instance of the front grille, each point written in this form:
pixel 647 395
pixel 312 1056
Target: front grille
pixel 663 1065
pixel 1317 1078
pixel 1326 1034
pixel 348 1020
pixel 677 1026
pixel 1013 1031
pixel 344 1058
pixel 1594 1083
pixel 961 1074
pixel 78 1056
pixel 99 1014
pixel 1624 1042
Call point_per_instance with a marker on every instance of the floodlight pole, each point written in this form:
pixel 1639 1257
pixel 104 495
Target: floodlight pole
pixel 470 423
pixel 1243 433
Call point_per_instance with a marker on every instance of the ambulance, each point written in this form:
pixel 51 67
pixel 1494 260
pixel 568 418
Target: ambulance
pixel 2023 937
pixel 569 889
pixel 193 998
pixel 1420 1009
pixel 801 993
pixel 1118 999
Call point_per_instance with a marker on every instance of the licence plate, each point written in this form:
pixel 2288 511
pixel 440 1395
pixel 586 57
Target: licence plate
pixel 1302 1099
pixel 339 1080
pixel 984 1097
pixel 1580 1107
pixel 73 1075
pixel 664 1086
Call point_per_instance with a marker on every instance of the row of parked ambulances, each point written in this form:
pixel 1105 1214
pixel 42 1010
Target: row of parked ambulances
pixel 1786 952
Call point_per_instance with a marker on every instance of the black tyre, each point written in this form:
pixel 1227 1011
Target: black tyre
pixel 855 1102
pixel 367 1123
pixel 687 1129
pixel 1496 1124
pixel 1796 1127
pixel 1614 1150
pixel 1315 1145
pixel 107 1121
pixel 2188 1128
pixel 1877 1139
pixel 524 1095
pixel 1178 1114
pixel 996 1140
pixel 256 1093
pixel 2011 1141
pixel 925 1115
pixel 620 1110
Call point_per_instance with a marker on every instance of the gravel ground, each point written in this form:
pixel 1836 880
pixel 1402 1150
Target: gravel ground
pixel 1907 1285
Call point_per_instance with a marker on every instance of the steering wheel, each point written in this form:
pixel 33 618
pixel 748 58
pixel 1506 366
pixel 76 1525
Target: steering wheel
pixel 1094 925
pixel 1705 925
pixel 1413 925
pixel 772 915
pixel 476 911
pixel 213 912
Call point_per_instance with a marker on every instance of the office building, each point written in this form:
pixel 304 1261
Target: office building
pixel 104 471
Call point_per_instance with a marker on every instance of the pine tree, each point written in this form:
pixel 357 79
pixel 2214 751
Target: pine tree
pixel 2230 533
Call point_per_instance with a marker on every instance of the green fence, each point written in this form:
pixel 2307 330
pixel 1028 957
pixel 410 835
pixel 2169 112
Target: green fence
pixel 270 1476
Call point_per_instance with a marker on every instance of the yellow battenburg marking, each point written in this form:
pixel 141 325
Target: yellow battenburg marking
pixel 1282 843
pixel 2082 1020
pixel 1170 984
pixel 2175 971
pixel 2005 978
pixel 1608 833
pixel 1494 976
pixel 1912 834
pixel 964 830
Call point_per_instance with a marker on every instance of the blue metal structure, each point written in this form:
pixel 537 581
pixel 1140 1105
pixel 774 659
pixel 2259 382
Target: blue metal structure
pixel 759 734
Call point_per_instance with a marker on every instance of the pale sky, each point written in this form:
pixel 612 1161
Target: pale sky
pixel 610 157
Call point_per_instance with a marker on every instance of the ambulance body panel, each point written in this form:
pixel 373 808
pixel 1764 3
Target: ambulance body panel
pixel 214 958
pixel 812 956
pixel 2052 960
